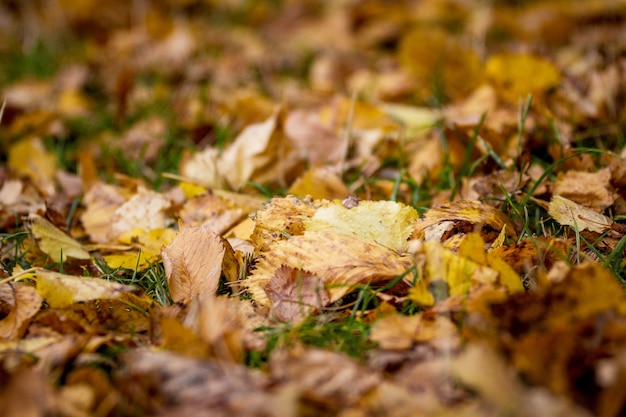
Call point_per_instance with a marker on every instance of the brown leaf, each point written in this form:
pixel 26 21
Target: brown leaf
pixel 589 189
pixel 194 261
pixel 567 212
pixel 294 294
pixel 61 290
pixel 18 303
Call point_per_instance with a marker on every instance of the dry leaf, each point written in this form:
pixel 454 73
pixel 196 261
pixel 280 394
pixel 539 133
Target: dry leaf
pixel 516 76
pixel 319 183
pixel 54 242
pixel 281 217
pixel 439 223
pixel 259 153
pixel 102 200
pixel 295 293
pixel 578 217
pixel 19 303
pixel 341 261
pixel 589 189
pixel 384 222
pixel 316 141
pixel 145 210
pixel 61 290
pixel 30 158
pixel 149 244
pixel 194 262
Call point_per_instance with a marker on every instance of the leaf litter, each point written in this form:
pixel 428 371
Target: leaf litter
pixel 312 208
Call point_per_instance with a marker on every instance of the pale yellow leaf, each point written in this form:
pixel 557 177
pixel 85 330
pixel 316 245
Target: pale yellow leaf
pixel 384 222
pixel 61 290
pixel 52 241
pixel 568 213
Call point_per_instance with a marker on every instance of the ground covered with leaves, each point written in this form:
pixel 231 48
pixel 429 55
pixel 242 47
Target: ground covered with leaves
pixel 282 208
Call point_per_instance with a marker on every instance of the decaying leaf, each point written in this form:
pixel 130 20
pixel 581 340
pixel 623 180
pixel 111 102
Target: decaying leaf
pixel 439 223
pixel 194 262
pixel 340 261
pixel 580 218
pixel 52 241
pixel 295 293
pixel 61 290
pixel 19 303
pixel 384 222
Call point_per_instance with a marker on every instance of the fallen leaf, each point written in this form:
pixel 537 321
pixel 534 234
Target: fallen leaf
pixel 516 75
pixel 384 222
pixel 29 158
pixel 589 189
pixel 341 261
pixel 279 218
pixel 52 241
pixel 61 290
pixel 21 302
pixel 319 183
pixel 578 217
pixel 149 246
pixel 145 210
pixel 294 294
pixel 194 262
pixel 440 222
pixel 318 143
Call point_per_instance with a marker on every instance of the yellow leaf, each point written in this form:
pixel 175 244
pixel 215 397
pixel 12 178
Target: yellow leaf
pixel 30 158
pixel 507 275
pixel 459 272
pixel 384 222
pixel 61 290
pixel 194 262
pixel 341 261
pixel 192 190
pixel 517 75
pixel 145 210
pixel 419 294
pixel 438 221
pixel 319 182
pixel 473 248
pixel 281 217
pixel 437 58
pixel 54 242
